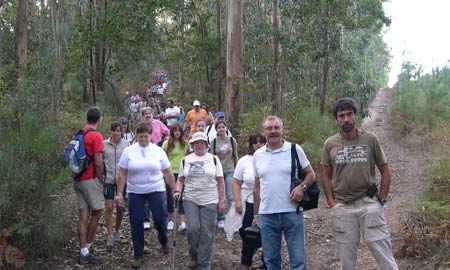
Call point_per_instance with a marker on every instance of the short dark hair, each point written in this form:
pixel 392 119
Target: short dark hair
pixel 144 127
pixel 344 104
pixel 93 114
pixel 253 138
pixel 115 125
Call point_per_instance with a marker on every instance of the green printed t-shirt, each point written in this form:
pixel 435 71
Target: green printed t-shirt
pixel 176 155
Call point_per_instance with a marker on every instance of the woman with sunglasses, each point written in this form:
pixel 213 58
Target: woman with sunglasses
pixel 243 180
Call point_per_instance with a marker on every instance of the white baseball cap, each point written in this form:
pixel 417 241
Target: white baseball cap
pixel 196 103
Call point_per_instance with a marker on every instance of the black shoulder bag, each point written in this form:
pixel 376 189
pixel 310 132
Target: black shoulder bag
pixel 310 198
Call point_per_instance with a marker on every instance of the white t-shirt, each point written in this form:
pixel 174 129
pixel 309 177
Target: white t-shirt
pixel 144 166
pixel 212 133
pixel 200 183
pixel 172 111
pixel 274 172
pixel 244 172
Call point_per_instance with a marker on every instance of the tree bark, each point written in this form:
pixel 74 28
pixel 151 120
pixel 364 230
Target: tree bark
pixel 99 53
pixel 220 93
pixel 20 39
pixel 276 89
pixel 57 11
pixel 326 59
pixel 233 98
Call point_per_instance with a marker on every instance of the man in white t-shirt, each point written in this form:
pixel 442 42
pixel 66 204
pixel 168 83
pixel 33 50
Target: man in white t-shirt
pixel 172 113
pixel 211 131
pixel 275 205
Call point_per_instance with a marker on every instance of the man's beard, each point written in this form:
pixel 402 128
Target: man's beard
pixel 347 127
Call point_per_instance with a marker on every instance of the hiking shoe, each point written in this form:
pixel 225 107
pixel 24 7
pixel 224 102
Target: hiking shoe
pixel 136 264
pixel 221 224
pixel 192 264
pixel 146 250
pixel 110 242
pixel 170 225
pixel 147 226
pixel 165 249
pixel 91 258
pixel 182 227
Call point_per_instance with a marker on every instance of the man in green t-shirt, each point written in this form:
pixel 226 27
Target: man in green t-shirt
pixel 348 160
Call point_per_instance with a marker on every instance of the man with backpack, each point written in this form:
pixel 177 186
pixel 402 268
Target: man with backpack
pixel 275 205
pixel 88 187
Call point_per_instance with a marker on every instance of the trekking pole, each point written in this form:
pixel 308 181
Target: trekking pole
pixel 175 213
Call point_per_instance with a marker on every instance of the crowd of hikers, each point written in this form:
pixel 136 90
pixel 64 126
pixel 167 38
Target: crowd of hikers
pixel 161 162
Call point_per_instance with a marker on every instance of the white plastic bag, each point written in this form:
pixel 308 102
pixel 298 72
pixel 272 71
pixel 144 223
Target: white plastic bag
pixel 233 220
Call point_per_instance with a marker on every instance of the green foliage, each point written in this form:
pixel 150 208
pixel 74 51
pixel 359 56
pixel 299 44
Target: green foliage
pixel 427 226
pixel 31 177
pixel 421 104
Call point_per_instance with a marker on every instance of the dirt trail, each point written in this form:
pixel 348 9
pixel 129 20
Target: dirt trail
pixel 406 167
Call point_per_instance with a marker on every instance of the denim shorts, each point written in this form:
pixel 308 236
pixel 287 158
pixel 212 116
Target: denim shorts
pixel 111 191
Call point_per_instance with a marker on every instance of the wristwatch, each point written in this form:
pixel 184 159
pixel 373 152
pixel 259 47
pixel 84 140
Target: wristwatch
pixel 305 187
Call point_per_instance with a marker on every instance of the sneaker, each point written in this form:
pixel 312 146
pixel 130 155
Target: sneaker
pixel 182 227
pixel 110 242
pixel 221 224
pixel 170 225
pixel 165 249
pixel 192 264
pixel 147 226
pixel 91 258
pixel 136 264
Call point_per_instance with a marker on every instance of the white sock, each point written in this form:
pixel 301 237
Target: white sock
pixel 84 251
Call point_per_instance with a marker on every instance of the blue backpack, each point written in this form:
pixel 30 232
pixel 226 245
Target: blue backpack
pixel 75 154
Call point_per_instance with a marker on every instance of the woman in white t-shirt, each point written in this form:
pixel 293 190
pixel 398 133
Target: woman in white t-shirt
pixel 146 169
pixel 201 175
pixel 243 180
pixel 127 134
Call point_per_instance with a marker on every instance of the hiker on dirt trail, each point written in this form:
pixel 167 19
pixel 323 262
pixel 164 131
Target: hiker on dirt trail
pixel 275 205
pixel 134 114
pixel 159 130
pixel 156 109
pixel 348 160
pixel 172 113
pixel 89 188
pixel 200 126
pixel 243 180
pixel 226 148
pixel 211 129
pixel 193 115
pixel 176 148
pixel 126 134
pixel 113 148
pixel 201 175
pixel 145 168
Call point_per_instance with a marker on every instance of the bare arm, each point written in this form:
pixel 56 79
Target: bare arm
pixel 385 180
pixel 297 192
pixel 121 184
pixel 327 172
pixel 221 190
pixel 168 178
pixel 256 200
pixel 98 162
pixel 237 195
pixel 179 188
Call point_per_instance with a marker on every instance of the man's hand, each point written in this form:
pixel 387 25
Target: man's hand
pixel 297 194
pixel 119 198
pixel 221 206
pixel 255 220
pixel 331 203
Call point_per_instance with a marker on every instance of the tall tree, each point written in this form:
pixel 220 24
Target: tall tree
pixel 220 93
pixel 276 87
pixel 20 39
pixel 233 95
pixel 57 11
pixel 99 50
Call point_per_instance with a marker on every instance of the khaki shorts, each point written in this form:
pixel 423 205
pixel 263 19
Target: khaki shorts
pixel 89 194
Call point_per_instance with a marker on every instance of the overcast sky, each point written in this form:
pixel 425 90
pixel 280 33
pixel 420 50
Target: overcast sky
pixel 419 32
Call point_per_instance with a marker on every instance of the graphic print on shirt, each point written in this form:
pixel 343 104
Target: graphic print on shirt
pixel 224 147
pixel 352 154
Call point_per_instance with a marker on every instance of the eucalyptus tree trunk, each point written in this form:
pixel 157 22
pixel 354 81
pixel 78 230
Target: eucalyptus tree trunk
pixel 57 11
pixel 99 53
pixel 220 94
pixel 181 48
pixel 276 89
pixel 326 59
pixel 233 95
pixel 20 39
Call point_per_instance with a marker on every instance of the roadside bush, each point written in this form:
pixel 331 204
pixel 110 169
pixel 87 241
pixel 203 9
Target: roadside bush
pixel 426 231
pixel 31 177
